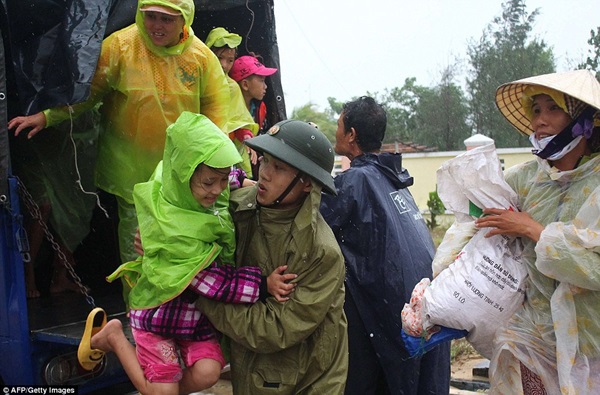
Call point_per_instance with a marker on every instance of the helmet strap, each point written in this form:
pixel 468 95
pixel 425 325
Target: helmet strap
pixel 287 190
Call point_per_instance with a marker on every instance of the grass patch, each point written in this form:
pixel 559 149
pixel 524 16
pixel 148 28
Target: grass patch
pixel 460 349
pixel 437 234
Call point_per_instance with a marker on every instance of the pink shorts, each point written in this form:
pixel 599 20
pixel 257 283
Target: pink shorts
pixel 159 358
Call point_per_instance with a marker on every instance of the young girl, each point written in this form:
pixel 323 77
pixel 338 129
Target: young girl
pixel 186 229
pixel 240 124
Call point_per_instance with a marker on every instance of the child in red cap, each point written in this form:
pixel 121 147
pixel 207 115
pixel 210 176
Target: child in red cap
pixel 250 74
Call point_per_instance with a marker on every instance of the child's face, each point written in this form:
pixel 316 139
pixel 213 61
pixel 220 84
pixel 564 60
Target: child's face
pixel 207 183
pixel 226 57
pixel 255 86
pixel 164 30
pixel 274 178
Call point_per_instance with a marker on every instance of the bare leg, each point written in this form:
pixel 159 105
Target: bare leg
pixel 201 375
pixel 36 237
pixel 61 282
pixel 112 338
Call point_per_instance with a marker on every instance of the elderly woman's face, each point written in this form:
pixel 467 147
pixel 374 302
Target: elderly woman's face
pixel 164 30
pixel 548 118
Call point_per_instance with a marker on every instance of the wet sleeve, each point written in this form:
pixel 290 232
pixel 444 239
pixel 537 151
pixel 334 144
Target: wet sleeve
pixel 214 100
pixel 106 72
pixel 338 210
pixel 570 251
pixel 272 326
pixel 228 284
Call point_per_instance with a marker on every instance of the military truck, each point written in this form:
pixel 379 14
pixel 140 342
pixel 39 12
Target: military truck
pixel 48 55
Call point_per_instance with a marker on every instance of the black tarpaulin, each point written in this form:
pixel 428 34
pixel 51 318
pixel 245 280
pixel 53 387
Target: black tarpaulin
pixel 52 48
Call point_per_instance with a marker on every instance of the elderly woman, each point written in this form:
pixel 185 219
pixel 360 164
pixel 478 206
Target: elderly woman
pixel 552 344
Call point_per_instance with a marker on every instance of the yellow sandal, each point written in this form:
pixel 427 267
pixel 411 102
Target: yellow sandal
pixel 89 358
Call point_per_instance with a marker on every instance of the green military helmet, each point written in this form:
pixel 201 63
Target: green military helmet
pixel 302 146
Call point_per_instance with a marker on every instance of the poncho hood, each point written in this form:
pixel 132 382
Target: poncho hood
pixel 187 9
pixel 180 237
pixel 219 37
pixel 390 165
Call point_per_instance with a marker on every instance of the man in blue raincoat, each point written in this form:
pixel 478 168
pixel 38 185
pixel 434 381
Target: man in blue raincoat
pixel 388 250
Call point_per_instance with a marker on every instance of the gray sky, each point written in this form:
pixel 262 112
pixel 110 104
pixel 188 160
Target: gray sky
pixel 344 48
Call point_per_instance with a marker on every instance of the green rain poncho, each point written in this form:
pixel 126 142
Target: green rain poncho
pixel 143 89
pixel 180 236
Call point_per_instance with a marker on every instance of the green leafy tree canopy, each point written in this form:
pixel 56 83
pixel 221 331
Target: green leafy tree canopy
pixel 505 53
pixel 323 119
pixel 593 60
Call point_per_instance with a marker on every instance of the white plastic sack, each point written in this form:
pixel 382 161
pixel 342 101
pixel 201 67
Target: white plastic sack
pixel 474 178
pixel 479 291
pixel 484 284
pixel 455 239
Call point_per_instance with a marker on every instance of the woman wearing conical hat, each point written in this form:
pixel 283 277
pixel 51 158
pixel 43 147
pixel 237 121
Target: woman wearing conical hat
pixel 552 344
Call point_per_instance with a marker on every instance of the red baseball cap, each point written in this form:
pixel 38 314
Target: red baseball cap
pixel 245 66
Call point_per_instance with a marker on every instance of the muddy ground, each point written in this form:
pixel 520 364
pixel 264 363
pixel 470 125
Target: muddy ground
pixel 462 369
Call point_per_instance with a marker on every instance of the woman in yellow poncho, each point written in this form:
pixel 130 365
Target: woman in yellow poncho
pixel 147 74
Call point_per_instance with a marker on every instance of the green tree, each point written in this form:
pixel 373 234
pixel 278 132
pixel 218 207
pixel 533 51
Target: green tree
pixel 400 104
pixel 593 60
pixel 436 207
pixel 335 105
pixel 441 115
pixel 324 120
pixel 504 53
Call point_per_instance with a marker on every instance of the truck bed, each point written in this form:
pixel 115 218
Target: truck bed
pixel 61 318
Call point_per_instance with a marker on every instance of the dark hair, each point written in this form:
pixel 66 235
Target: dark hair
pixel 368 118
pixel 218 50
pixel 594 140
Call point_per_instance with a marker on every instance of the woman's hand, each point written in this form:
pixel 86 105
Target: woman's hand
pixel 278 284
pixel 36 122
pixel 509 223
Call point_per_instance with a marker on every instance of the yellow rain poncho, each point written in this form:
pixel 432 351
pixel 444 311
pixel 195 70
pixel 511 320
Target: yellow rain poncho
pixel 240 118
pixel 239 115
pixel 144 88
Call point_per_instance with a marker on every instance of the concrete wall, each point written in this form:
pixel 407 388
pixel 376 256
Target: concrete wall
pixel 423 166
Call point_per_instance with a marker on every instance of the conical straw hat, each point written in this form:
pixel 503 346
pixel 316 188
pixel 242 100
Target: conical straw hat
pixel 580 84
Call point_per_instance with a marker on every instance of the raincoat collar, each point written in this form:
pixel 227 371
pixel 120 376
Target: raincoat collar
pixel 585 169
pixel 390 165
pixel 245 199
